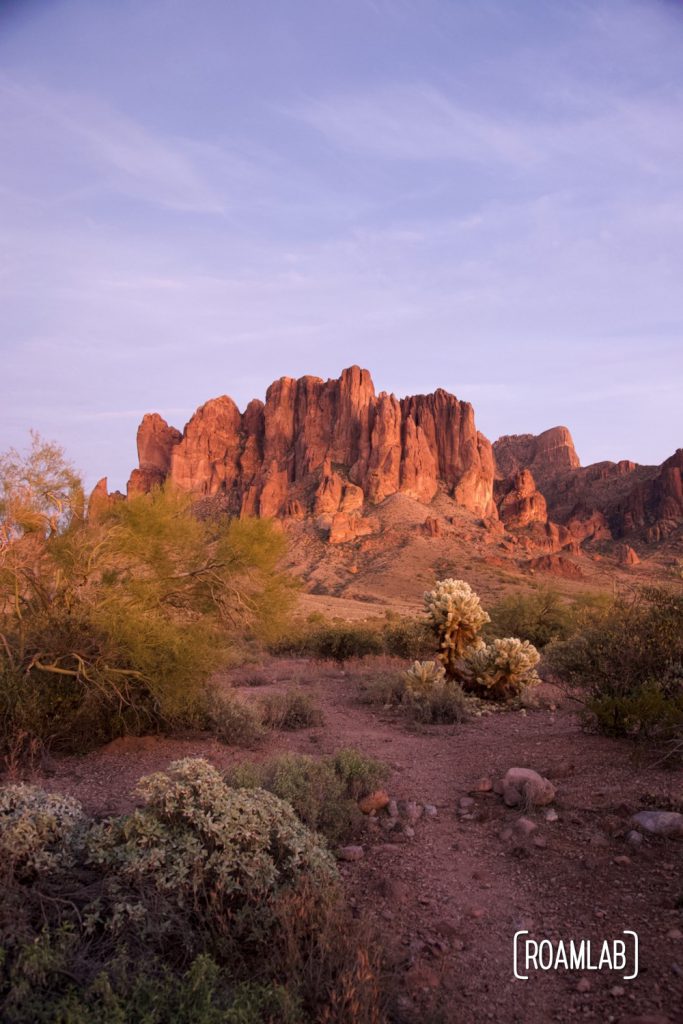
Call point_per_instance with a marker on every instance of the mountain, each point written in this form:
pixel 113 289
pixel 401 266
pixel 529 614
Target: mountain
pixel 369 474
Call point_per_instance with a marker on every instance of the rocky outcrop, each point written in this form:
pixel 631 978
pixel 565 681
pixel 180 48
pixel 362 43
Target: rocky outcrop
pixel 520 502
pixel 547 455
pixel 155 441
pixel 327 447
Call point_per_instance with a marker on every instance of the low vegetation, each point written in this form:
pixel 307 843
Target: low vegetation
pixel 323 792
pixel 208 903
pixel 114 624
pixel 543 616
pixel 323 639
pixel 627 665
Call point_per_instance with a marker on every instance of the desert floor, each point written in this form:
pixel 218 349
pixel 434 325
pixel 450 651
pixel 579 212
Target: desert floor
pixel 448 900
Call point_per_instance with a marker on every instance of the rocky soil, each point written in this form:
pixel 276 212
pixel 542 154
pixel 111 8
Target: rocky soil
pixel 449 883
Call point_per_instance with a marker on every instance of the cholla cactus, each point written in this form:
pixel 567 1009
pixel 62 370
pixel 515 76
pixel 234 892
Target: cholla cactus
pixel 37 829
pixel 457 616
pixel 500 669
pixel 424 677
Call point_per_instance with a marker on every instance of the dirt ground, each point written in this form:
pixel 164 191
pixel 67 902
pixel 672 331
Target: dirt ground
pixel 448 901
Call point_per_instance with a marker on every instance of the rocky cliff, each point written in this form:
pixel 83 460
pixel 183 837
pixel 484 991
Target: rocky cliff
pixel 324 447
pixel 334 451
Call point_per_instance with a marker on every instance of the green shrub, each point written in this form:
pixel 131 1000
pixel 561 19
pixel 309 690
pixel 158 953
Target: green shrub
pixel 289 711
pixel 323 792
pixel 340 641
pixel 311 786
pixel 37 830
pixel 114 625
pixel 206 905
pixel 629 663
pixel 220 857
pixel 543 616
pixel 234 722
pixel 359 773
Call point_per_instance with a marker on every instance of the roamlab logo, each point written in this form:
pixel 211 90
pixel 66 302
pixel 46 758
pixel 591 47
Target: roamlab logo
pixel 575 955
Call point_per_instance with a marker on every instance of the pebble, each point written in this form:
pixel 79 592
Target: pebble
pixel 430 811
pixel 409 831
pixel 674 933
pixel 622 859
pixel 484 785
pixel 525 826
pixel 541 842
pixel 466 804
pixel 476 912
pixel 551 814
pixel 412 811
pixel 392 809
pixel 634 838
pixel 374 802
pixel 350 853
pixel 617 990
pixel 583 985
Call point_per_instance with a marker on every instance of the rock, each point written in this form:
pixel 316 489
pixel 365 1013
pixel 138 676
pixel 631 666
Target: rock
pixel 617 991
pixel 520 502
pixel 634 838
pixel 541 842
pixel 675 934
pixel 374 802
pixel 409 831
pixel 526 787
pixel 626 555
pixel 622 860
pixel 547 455
pixel 411 811
pixel 660 823
pixel 430 811
pixel 583 985
pixel 551 814
pixel 466 805
pixel 350 853
pixel 525 826
pixel 476 912
pixel 392 809
pixel 484 785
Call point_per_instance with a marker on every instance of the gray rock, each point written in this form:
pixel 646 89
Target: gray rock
pixel 634 838
pixel 525 826
pixel 392 809
pixel 430 811
pixel 350 853
pixel 659 823
pixel 466 804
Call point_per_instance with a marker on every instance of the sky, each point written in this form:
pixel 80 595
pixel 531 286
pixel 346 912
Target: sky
pixel 199 197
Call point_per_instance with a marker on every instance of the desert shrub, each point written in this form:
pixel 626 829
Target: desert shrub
pixel 289 711
pixel 37 830
pixel 359 773
pixel 408 638
pixel 206 905
pixel 114 625
pixel 219 858
pixel 542 616
pixel 313 788
pixel 341 641
pixel 233 721
pixel 502 669
pixel 430 697
pixel 629 664
pixel 456 617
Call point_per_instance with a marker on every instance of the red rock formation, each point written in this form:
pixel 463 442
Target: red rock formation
pixel 626 555
pixel 155 442
pixel 261 461
pixel 520 502
pixel 546 455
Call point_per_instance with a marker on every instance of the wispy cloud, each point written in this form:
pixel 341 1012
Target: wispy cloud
pixel 414 122
pixel 129 157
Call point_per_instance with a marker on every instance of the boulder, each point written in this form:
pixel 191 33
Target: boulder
pixel 659 823
pixel 525 787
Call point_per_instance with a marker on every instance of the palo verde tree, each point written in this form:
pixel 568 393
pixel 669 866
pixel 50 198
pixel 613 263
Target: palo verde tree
pixel 114 625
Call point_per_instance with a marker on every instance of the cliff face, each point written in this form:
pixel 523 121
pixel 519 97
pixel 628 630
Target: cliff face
pixel 326 446
pixel 335 449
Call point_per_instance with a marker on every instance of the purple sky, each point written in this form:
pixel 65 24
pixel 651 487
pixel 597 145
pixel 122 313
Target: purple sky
pixel 485 196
